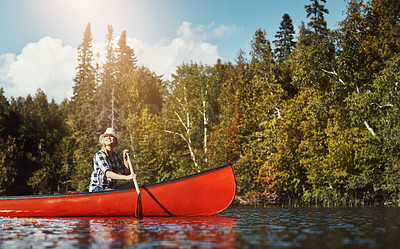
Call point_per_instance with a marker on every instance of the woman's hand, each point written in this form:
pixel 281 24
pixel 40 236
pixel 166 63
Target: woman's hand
pixel 130 177
pixel 125 154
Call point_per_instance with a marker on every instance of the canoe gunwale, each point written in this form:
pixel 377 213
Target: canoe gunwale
pixel 116 190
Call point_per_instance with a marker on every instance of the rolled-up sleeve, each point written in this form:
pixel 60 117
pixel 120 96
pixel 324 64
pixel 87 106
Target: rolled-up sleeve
pixel 101 161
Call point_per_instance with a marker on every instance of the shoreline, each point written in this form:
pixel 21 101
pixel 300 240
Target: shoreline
pixel 272 199
pixel 262 200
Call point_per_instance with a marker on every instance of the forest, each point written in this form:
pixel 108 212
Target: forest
pixel 308 119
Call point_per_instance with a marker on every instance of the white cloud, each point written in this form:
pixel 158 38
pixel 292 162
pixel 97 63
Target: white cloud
pixel 224 31
pixel 189 45
pixel 5 62
pixel 164 58
pixel 45 64
pixel 50 66
pixel 201 32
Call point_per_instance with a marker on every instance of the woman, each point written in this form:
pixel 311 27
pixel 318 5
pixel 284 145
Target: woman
pixel 107 165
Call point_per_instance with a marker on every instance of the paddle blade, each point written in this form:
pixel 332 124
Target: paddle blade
pixel 139 207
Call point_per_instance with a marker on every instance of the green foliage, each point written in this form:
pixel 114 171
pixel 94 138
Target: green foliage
pixel 315 11
pixel 316 122
pixel 7 165
pixel 9 151
pixel 285 39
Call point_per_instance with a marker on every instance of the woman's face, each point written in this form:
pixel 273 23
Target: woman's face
pixel 109 140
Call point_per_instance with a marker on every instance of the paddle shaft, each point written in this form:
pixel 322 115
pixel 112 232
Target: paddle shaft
pixel 139 207
pixel 132 172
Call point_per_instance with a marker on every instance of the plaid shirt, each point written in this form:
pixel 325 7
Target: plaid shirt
pixel 101 164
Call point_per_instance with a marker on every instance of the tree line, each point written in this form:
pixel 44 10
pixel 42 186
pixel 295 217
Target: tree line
pixel 314 119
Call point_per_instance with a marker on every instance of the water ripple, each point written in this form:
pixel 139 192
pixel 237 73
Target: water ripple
pixel 237 227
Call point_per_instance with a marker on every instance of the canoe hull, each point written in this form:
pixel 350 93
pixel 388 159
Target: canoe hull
pixel 202 194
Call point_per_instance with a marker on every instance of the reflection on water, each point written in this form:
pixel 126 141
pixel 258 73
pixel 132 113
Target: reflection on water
pixel 122 232
pixel 314 228
pixel 199 232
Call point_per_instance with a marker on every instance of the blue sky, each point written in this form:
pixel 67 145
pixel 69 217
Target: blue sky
pixel 40 37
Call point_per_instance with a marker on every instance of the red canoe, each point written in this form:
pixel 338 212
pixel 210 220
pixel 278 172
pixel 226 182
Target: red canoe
pixel 206 193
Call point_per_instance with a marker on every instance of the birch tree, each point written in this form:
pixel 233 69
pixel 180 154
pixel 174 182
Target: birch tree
pixel 183 110
pixel 194 93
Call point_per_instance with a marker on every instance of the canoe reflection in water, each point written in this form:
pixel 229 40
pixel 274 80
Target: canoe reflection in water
pixel 121 232
pixel 173 232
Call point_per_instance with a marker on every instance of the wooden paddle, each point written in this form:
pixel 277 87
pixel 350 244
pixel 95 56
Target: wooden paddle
pixel 139 207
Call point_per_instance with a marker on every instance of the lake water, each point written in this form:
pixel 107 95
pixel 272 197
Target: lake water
pixel 237 227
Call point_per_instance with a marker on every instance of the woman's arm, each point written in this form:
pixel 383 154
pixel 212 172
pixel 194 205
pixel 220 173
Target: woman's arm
pixel 116 176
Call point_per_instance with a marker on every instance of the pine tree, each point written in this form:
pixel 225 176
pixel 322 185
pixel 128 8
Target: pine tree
pixel 84 87
pixel 125 66
pixel 315 11
pixel 107 88
pixel 82 118
pixel 262 87
pixel 284 43
pixel 126 59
